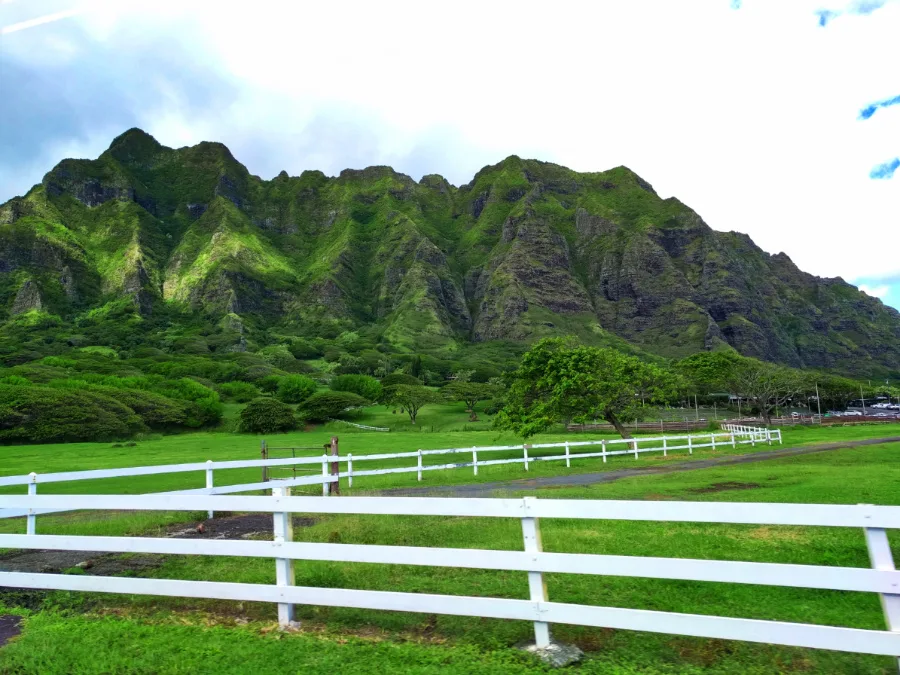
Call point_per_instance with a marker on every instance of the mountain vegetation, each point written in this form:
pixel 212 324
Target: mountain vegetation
pixel 152 267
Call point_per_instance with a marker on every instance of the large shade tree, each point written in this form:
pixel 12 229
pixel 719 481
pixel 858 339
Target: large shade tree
pixel 560 381
pixel 766 385
pixel 411 398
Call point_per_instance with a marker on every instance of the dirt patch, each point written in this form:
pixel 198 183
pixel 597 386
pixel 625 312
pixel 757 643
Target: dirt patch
pixel 251 526
pixel 10 627
pixel 93 562
pixel 722 487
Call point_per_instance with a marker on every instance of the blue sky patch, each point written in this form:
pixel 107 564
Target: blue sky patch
pixel 886 170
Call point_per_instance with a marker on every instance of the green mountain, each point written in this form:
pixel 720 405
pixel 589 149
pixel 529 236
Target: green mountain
pixel 147 236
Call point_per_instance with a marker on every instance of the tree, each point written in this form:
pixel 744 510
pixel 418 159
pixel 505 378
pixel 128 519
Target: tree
pixel 415 367
pixel 295 388
pixel 710 371
pixel 266 416
pixel 560 382
pixel 835 391
pixel 411 398
pixel 363 385
pixel 767 385
pixel 324 405
pixel 469 393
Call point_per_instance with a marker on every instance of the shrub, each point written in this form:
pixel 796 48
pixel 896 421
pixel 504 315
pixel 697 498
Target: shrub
pixel 239 392
pixel 108 352
pixel 362 385
pixel 59 362
pixel 399 378
pixel 278 355
pixel 327 404
pixel 266 416
pixel 15 381
pixel 295 388
pixel 269 383
pixel 46 414
pixel 303 349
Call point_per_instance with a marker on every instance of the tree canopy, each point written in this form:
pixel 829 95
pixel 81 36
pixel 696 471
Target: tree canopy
pixel 469 393
pixel 411 398
pixel 562 382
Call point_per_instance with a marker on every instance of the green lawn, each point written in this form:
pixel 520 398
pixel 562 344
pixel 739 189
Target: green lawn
pixel 93 633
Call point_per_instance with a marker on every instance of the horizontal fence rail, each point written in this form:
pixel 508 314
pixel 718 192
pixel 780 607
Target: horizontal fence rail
pixel 331 473
pixel 882 578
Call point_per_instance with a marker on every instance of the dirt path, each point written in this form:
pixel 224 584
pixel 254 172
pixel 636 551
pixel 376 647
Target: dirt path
pixel 224 526
pixel 9 627
pixel 579 479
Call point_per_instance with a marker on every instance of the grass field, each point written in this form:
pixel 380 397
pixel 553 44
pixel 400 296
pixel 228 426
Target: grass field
pixel 90 633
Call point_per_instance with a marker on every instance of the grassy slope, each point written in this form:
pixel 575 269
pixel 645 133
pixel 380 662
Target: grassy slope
pixel 405 642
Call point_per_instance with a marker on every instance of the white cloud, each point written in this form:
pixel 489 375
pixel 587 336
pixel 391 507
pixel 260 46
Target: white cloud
pixel 747 115
pixel 875 291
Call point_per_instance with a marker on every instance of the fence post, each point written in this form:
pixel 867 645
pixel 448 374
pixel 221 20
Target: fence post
pixel 419 465
pixel 283 531
pixel 733 442
pixel 713 441
pixel 31 527
pixel 335 487
pixel 635 448
pixel 769 435
pixel 568 464
pixel 525 455
pixel 209 483
pixel 753 439
pixel 475 459
pixel 264 452
pixel 325 477
pixel 531 534
pixel 881 558
pixel 603 449
pixel 665 447
pixel 349 469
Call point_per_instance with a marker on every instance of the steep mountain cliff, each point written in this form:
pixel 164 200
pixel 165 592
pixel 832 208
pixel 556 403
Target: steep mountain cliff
pixel 526 249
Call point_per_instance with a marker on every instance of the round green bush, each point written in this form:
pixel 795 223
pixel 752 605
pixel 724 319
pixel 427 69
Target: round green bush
pixel 47 414
pixel 239 392
pixel 295 388
pixel 399 378
pixel 325 405
pixel 266 416
pixel 362 385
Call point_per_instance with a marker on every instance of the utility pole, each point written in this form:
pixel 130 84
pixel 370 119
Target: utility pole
pixel 863 399
pixel 696 407
pixel 818 400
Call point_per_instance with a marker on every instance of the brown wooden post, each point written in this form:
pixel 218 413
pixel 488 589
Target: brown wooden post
pixel 264 453
pixel 335 488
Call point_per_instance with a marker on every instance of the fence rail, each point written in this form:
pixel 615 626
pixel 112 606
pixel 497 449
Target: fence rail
pixel 331 472
pixel 882 578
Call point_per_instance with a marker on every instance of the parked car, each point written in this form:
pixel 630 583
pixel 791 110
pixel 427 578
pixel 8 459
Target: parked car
pixel 853 413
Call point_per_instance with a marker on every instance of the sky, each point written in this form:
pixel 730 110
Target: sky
pixel 778 118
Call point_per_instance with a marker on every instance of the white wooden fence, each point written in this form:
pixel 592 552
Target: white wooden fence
pixel 608 448
pixel 874 520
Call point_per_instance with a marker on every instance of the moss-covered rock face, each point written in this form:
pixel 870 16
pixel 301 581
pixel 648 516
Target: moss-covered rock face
pixel 527 249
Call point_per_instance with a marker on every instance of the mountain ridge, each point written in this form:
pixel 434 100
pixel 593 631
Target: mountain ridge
pixel 525 249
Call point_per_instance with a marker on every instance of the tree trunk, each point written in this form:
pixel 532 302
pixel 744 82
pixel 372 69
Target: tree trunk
pixel 612 419
pixel 412 415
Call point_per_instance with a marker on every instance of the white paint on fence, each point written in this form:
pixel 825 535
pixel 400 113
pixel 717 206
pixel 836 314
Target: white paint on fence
pixel 882 578
pixel 732 432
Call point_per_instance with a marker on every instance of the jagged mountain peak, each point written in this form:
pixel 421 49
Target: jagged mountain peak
pixel 527 248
